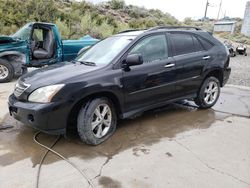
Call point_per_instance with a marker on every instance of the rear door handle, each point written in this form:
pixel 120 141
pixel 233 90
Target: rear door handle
pixel 169 65
pixel 206 57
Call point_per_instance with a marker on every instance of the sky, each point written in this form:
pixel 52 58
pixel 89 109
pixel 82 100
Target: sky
pixel 195 9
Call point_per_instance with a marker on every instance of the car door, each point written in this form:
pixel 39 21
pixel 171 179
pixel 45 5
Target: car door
pixel 190 57
pixel 151 82
pixel 43 39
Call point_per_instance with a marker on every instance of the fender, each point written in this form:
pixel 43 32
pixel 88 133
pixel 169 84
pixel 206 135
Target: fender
pixel 21 56
pixel 16 59
pixel 216 71
pixel 95 89
pixel 82 93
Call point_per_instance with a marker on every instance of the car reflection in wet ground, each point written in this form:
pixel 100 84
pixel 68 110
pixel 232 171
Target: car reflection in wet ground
pixel 173 145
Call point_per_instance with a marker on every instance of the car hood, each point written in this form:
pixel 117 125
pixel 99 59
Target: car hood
pixel 63 72
pixel 7 39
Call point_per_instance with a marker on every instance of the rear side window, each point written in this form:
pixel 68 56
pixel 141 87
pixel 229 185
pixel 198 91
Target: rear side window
pixel 207 45
pixel 185 43
pixel 182 43
pixel 197 44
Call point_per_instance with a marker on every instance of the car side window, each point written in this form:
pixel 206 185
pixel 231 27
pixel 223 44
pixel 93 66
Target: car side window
pixel 207 45
pixel 38 34
pixel 182 43
pixel 152 49
pixel 197 45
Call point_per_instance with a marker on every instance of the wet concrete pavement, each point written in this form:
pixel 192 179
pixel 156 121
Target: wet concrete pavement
pixel 174 146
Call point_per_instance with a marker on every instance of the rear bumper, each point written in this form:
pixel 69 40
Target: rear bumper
pixel 50 118
pixel 226 75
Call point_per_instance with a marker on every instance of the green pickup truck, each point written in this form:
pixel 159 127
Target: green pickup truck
pixel 35 45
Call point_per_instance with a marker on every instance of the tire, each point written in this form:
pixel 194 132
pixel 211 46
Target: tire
pixel 208 93
pixel 6 71
pixel 88 116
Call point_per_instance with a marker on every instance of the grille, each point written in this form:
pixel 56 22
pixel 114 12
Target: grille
pixel 20 88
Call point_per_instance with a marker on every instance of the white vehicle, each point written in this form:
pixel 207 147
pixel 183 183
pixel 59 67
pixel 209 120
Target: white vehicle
pixel 242 49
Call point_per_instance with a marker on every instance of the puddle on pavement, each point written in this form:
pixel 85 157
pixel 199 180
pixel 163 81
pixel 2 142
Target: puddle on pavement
pixel 145 130
pixel 109 182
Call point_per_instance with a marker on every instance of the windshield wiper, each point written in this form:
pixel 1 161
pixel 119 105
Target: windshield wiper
pixel 84 62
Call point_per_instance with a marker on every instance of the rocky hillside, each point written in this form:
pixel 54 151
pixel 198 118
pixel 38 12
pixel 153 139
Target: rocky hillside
pixel 75 19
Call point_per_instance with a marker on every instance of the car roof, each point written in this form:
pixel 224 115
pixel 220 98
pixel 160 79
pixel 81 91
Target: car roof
pixel 131 33
pixel 42 23
pixel 157 29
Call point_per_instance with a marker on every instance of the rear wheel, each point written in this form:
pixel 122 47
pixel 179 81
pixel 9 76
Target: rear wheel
pixel 6 71
pixel 96 121
pixel 209 93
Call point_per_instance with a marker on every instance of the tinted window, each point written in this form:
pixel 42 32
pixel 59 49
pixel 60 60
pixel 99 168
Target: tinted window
pixel 152 48
pixel 182 43
pixel 197 44
pixel 207 45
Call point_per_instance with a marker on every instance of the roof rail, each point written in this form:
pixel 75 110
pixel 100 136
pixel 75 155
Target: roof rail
pixel 173 27
pixel 129 30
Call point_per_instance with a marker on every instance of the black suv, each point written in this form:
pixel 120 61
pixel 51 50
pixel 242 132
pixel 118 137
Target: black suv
pixel 120 77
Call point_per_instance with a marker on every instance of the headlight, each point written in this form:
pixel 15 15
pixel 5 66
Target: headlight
pixel 44 94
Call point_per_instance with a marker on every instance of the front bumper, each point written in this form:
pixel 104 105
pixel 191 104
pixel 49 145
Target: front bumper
pixel 226 75
pixel 50 117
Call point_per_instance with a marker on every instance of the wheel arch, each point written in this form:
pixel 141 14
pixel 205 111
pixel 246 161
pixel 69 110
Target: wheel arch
pixel 10 55
pixel 72 117
pixel 16 59
pixel 217 73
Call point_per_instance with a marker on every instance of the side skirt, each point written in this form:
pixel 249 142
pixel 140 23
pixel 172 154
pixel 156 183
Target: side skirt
pixel 139 111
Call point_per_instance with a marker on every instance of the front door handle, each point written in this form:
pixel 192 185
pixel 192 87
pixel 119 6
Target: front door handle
pixel 169 65
pixel 206 57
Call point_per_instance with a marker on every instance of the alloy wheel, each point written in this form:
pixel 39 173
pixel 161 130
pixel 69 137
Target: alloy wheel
pixel 211 92
pixel 4 72
pixel 101 120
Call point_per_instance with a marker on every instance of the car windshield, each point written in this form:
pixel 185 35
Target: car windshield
pixel 105 51
pixel 23 33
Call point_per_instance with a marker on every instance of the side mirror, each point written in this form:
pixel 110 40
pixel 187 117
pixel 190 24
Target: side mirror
pixel 134 59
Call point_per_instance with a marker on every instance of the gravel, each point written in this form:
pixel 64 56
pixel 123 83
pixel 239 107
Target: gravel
pixel 240 74
pixel 240 65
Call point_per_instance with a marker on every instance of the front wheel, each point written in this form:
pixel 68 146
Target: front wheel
pixel 6 71
pixel 96 121
pixel 208 93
